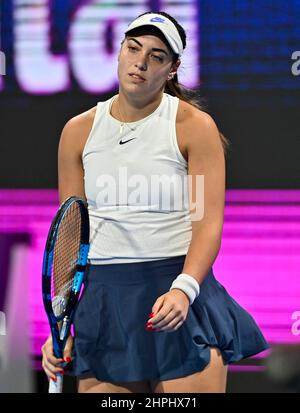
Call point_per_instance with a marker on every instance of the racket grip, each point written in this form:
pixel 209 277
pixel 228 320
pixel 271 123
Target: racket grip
pixel 56 386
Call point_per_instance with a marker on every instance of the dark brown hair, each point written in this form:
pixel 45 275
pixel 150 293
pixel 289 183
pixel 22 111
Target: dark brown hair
pixel 173 86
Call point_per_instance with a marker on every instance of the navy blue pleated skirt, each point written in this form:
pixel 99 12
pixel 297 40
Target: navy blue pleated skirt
pixel 112 345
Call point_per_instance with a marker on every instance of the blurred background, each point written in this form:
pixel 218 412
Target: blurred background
pixel 58 58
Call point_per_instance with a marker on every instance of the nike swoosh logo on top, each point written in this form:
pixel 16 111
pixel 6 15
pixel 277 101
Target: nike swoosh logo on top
pixel 121 142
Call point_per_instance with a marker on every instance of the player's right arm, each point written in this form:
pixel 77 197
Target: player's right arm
pixel 70 182
pixel 71 144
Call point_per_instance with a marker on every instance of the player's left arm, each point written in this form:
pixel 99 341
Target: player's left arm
pixel 205 158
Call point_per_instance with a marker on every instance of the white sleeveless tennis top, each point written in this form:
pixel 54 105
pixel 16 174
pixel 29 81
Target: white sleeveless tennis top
pixel 136 187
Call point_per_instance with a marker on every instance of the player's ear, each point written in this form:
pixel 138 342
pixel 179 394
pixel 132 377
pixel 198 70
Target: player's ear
pixel 176 65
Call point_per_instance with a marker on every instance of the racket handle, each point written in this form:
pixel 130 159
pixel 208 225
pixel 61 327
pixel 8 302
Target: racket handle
pixel 56 386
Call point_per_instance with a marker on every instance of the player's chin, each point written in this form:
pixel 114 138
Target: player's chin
pixel 130 82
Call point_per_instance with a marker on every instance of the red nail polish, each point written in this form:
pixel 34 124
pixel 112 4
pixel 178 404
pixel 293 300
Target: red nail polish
pixel 68 359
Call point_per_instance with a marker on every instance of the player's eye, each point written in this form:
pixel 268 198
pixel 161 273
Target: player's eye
pixel 158 58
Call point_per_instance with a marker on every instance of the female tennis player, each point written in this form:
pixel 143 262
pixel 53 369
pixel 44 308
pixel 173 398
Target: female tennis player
pixel 152 317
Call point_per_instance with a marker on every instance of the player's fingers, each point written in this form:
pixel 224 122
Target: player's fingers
pixel 172 326
pixel 67 356
pixel 48 355
pixel 171 317
pixel 68 350
pixel 158 304
pixel 161 315
pixel 49 374
pixel 53 360
pixel 51 370
pixel 47 351
pixel 50 358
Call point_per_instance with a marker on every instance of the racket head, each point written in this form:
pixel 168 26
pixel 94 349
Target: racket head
pixel 64 265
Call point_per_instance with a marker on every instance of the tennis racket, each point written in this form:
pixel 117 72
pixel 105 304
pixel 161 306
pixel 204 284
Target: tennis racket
pixel 64 264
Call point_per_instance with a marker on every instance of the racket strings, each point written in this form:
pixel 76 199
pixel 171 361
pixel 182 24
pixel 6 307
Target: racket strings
pixel 65 257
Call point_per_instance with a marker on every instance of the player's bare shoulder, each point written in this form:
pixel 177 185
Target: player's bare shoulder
pixel 77 129
pixel 192 125
pixel 189 114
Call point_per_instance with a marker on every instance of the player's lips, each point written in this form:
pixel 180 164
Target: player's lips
pixel 137 77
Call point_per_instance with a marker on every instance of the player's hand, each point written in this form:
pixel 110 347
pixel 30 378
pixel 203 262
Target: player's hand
pixel 169 311
pixel 50 363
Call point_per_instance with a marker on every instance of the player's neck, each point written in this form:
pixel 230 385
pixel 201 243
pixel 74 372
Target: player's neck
pixel 128 110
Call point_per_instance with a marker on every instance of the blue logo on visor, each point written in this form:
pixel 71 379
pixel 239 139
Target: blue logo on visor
pixel 157 19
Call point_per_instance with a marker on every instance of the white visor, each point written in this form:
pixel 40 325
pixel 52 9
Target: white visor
pixel 165 25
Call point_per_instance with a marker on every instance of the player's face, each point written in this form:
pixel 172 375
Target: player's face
pixel 148 56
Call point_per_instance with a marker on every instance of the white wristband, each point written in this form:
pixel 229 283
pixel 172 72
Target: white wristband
pixel 187 284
